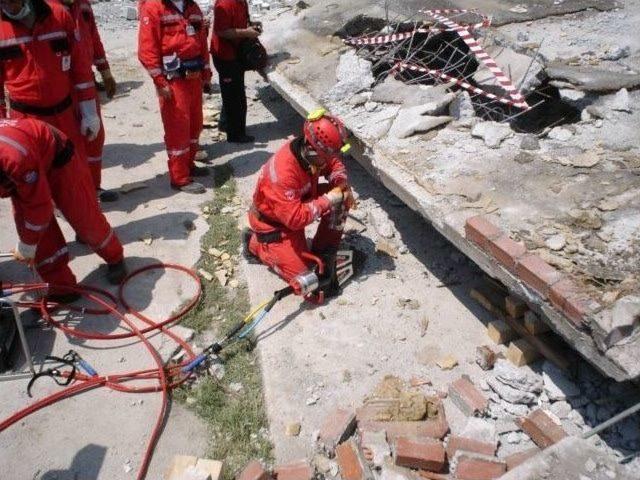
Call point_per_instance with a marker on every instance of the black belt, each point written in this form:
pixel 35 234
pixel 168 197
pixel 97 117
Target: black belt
pixel 41 111
pixel 269 237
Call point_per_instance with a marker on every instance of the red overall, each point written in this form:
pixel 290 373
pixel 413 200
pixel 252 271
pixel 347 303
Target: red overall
pixel 39 169
pixel 166 32
pixel 288 198
pixel 90 40
pixel 45 70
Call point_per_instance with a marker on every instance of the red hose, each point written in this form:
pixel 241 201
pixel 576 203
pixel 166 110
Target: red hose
pixel 84 383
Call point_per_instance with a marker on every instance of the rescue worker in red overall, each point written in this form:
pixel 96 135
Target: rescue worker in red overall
pixel 45 70
pixel 288 198
pixel 39 170
pixel 90 40
pixel 172 46
pixel 230 26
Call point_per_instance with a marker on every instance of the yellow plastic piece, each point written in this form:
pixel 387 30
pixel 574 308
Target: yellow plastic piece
pixel 345 148
pixel 249 317
pixel 316 114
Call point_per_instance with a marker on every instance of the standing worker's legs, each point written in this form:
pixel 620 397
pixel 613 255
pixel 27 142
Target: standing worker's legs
pixel 176 118
pixel 73 193
pixel 234 100
pixel 195 121
pixel 94 153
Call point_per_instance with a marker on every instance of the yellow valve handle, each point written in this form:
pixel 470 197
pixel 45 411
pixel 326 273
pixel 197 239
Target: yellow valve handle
pixel 316 115
pixel 345 148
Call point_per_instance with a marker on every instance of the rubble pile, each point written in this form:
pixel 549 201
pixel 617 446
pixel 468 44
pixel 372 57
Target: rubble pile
pixel 401 431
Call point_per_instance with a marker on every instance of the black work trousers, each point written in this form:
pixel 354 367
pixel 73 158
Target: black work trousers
pixel 234 99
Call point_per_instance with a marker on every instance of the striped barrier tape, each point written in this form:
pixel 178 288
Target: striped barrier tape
pixel 400 66
pixel 485 58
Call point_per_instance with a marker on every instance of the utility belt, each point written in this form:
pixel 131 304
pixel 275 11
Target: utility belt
pixel 174 67
pixel 269 237
pixel 40 111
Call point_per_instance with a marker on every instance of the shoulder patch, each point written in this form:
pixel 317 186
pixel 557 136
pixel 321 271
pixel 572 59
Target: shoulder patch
pixel 31 176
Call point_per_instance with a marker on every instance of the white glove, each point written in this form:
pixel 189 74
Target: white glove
pixel 335 196
pixel 24 252
pixel 90 121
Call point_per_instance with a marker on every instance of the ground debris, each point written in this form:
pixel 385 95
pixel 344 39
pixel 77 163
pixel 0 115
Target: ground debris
pixel 394 401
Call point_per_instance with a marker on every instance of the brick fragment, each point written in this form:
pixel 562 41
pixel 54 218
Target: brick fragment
pixel 299 470
pixel 567 297
pixel 351 463
pixel 537 274
pixel 253 471
pixel 542 428
pixel 425 453
pixel 467 397
pixel 478 467
pixel 481 231
pixel 500 332
pixel 485 357
pixel 521 352
pixel 517 458
pixel 337 427
pixel 436 427
pixel 506 251
pixel 457 443
pixel 433 475
pixel 515 307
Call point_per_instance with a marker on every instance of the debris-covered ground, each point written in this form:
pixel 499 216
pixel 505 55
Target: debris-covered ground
pixel 559 179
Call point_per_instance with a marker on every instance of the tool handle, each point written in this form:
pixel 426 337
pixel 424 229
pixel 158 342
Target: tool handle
pixel 195 363
pixel 87 368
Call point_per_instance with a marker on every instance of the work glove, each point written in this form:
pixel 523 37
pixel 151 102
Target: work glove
pixel 335 196
pixel 109 83
pixel 349 200
pixel 24 253
pixel 89 119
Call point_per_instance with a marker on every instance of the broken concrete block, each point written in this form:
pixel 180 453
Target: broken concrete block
pixel 520 380
pixel 462 107
pixel 381 223
pixel 493 133
pixel 556 385
pixel 526 73
pixel 397 92
pixel 480 430
pixel 353 74
pixel 588 78
pixel 212 467
pixel 194 473
pixel 529 142
pixel 411 120
pixel 560 134
pixel 617 323
pixel 621 102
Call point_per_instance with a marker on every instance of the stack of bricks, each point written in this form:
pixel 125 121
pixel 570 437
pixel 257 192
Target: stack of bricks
pixel 533 271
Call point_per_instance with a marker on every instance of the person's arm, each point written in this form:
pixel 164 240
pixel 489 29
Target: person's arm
pixel 150 46
pixel 81 74
pixel 204 52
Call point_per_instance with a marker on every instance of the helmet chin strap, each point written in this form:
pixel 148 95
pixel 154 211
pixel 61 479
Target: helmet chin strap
pixel 23 13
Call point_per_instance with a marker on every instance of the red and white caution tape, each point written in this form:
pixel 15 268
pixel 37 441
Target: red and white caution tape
pixel 400 66
pixel 484 57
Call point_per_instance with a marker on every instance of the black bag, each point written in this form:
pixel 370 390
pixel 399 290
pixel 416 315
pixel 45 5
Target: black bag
pixel 252 55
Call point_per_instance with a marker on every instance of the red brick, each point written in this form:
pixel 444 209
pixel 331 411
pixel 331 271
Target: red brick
pixel 300 470
pixel 506 251
pixel 537 274
pixel 566 296
pixel 433 475
pixel 253 471
pixel 456 443
pixel 481 231
pixel 479 467
pixel 337 427
pixel 352 467
pixel 541 428
pixel 467 397
pixel 425 453
pixel 517 458
pixel 436 427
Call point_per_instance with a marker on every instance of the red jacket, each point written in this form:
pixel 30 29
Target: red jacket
pixel 82 14
pixel 43 65
pixel 287 194
pixel 164 30
pixel 227 14
pixel 29 150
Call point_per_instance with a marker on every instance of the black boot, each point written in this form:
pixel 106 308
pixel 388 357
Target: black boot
pixel 246 253
pixel 116 272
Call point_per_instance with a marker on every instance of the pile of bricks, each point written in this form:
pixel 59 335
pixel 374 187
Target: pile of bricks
pixel 549 283
pixel 356 446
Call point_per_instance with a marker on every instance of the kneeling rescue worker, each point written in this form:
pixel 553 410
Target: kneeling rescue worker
pixel 39 169
pixel 172 46
pixel 288 198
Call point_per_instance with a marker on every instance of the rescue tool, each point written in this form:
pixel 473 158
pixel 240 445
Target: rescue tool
pixel 335 277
